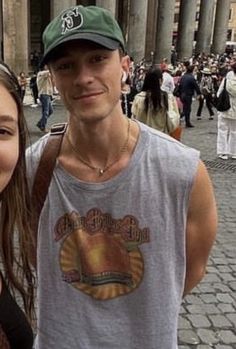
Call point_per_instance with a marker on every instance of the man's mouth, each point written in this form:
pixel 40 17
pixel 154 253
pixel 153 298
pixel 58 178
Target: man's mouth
pixel 88 95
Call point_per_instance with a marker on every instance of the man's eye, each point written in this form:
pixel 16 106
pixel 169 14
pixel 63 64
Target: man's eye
pixel 98 58
pixel 64 66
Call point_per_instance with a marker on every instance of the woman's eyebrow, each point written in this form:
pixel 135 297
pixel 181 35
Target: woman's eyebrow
pixel 8 118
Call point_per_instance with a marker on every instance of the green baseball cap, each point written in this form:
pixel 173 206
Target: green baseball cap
pixel 90 23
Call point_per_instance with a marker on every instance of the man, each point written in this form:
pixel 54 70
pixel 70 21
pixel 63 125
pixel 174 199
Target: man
pixel 34 89
pixel 188 85
pixel 129 219
pixel 207 90
pixel 45 92
pixel 168 84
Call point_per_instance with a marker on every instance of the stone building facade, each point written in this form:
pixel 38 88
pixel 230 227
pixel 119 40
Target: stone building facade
pixel 232 22
pixel 150 27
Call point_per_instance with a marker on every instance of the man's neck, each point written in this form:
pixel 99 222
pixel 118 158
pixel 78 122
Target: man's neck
pixel 106 154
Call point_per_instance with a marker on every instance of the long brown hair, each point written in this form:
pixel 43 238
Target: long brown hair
pixel 152 86
pixel 15 233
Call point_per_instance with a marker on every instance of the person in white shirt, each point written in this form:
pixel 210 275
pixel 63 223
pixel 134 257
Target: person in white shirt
pixel 45 91
pixel 226 127
pixel 168 84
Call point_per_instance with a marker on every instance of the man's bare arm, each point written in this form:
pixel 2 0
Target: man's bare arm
pixel 201 228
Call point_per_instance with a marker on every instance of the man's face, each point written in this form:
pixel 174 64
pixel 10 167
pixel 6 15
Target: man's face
pixel 88 78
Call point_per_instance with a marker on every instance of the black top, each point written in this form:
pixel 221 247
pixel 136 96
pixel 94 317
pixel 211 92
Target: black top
pixel 13 321
pixel 188 85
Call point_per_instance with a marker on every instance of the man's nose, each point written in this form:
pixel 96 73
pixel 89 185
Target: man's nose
pixel 83 75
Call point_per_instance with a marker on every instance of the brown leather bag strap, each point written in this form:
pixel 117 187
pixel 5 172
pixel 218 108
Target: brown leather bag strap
pixel 43 177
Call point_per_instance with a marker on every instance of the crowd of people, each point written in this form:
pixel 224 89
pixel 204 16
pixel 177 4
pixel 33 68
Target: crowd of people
pixel 200 77
pixel 207 70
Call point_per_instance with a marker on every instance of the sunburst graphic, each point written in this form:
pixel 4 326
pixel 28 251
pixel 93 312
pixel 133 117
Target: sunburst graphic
pixel 100 265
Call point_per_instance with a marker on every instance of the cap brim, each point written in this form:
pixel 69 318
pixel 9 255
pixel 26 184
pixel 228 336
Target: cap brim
pixel 104 41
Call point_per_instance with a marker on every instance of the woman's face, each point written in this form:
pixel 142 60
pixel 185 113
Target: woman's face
pixel 9 137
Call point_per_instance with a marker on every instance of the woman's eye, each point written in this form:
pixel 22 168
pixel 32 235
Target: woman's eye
pixel 4 131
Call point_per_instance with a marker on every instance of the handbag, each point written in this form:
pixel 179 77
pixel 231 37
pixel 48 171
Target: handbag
pixel 176 91
pixel 172 115
pixel 176 134
pixel 223 101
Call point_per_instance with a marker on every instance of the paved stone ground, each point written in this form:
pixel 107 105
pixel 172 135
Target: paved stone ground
pixel 208 314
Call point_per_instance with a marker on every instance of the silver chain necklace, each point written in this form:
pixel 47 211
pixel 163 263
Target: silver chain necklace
pixel 100 170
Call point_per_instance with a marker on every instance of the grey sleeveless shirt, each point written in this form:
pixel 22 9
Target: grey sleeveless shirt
pixel 111 256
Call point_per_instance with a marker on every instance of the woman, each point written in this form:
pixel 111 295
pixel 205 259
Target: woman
pixel 153 106
pixel 226 137
pixel 15 234
pixel 176 92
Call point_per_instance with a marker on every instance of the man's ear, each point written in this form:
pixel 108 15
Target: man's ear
pixel 125 64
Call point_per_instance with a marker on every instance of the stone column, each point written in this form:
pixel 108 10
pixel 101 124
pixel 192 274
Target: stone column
pixel 186 28
pixel 165 21
pixel 151 29
pixel 123 16
pixel 108 4
pixel 58 6
pixel 137 29
pixel 15 34
pixel 206 19
pixel 221 26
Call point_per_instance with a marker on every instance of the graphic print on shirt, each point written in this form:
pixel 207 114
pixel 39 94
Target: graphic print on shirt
pixel 100 255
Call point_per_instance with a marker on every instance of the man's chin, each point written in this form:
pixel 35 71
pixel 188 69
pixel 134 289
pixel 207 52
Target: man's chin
pixel 90 117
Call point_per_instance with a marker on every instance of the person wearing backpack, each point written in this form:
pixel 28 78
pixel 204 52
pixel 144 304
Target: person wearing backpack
pixel 226 126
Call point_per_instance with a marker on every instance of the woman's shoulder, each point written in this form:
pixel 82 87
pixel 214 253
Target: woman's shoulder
pixel 141 94
pixel 139 97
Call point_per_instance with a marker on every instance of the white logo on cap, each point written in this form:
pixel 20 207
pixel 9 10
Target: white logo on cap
pixel 72 19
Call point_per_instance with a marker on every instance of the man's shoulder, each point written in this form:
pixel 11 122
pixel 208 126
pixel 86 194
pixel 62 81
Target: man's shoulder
pixel 40 143
pixel 171 156
pixel 167 143
pixel 35 150
pixel 183 78
pixel 33 156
